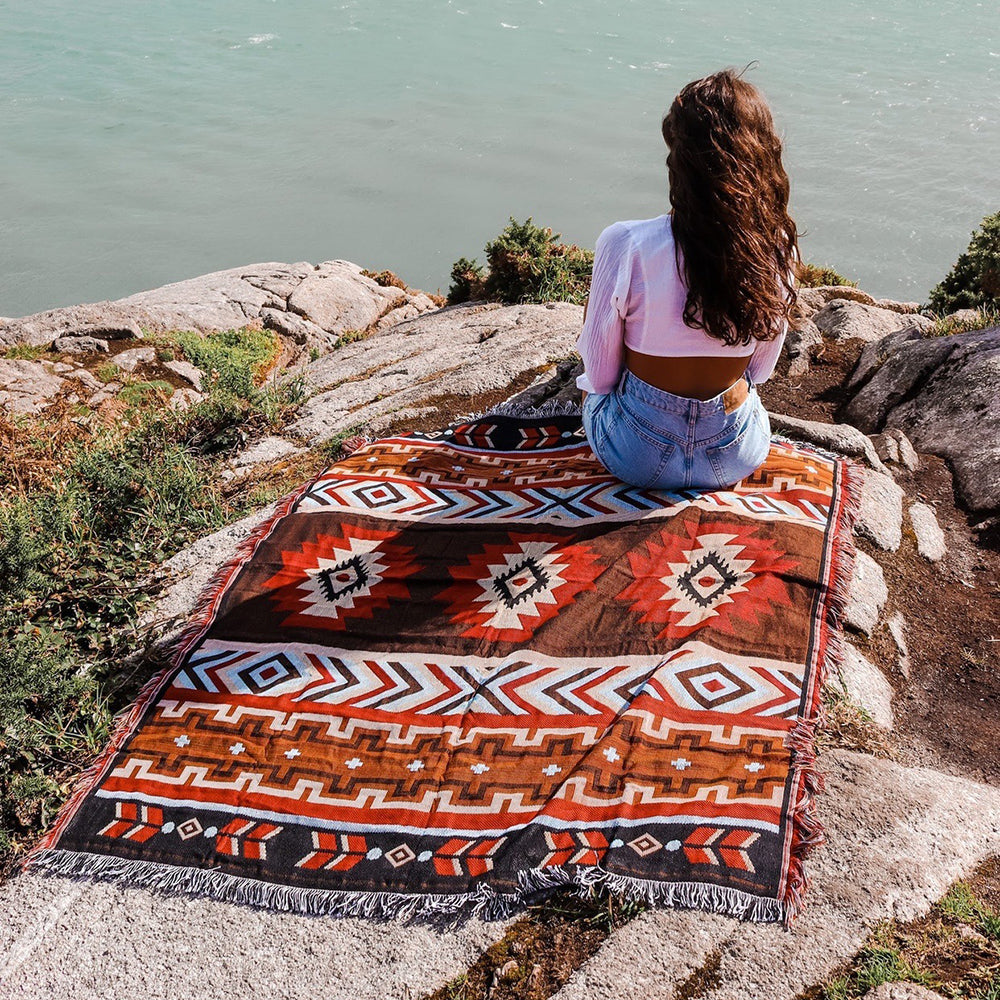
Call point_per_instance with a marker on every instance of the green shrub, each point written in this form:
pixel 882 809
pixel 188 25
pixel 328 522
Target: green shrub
pixel 233 360
pixel 974 281
pixel 467 279
pixel 526 263
pixel 815 275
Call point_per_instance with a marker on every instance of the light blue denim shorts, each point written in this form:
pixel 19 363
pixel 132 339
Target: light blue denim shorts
pixel 656 440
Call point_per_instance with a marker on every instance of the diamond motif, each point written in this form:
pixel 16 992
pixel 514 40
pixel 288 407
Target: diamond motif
pixel 268 673
pixel 716 572
pixel 645 844
pixel 712 685
pixel 189 828
pixel 336 578
pixel 506 591
pixel 399 856
pixel 375 495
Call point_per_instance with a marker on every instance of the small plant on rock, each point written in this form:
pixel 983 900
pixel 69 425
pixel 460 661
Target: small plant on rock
pixel 816 275
pixel 974 281
pixel 387 279
pixel 526 263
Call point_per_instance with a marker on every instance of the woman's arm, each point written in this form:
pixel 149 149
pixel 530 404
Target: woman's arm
pixel 602 339
pixel 765 357
pixel 767 352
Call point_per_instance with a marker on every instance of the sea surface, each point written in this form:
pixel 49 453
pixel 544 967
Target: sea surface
pixel 143 142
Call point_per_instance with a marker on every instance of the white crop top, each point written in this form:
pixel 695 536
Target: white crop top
pixel 636 285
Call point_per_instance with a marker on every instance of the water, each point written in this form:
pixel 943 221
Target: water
pixel 144 143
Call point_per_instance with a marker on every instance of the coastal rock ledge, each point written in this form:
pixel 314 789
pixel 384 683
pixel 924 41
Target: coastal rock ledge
pixel 310 304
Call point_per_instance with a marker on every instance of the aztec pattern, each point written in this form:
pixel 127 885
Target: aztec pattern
pixel 461 667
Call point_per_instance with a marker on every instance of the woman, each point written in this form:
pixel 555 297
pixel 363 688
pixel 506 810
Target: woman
pixel 688 311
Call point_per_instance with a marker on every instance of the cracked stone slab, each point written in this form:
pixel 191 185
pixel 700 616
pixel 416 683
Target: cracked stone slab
pixel 254 294
pixel 460 351
pixel 897 838
pixel 79 940
pixel 897 629
pixel 930 538
pixel 866 686
pixel 28 386
pixel 868 594
pixel 131 359
pixel 894 446
pixel 842 319
pixel 80 345
pixel 880 518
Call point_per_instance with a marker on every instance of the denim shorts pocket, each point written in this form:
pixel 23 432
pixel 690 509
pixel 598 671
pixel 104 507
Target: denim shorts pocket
pixel 627 451
pixel 736 459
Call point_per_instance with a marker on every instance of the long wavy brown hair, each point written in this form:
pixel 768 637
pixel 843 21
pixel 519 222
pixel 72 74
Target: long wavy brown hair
pixel 729 200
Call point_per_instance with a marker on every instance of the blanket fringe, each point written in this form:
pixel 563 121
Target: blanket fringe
pixel 690 895
pixel 528 411
pixel 807 780
pixel 175 880
pixel 483 902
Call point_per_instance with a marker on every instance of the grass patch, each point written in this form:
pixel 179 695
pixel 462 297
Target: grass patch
pixel 387 279
pixel 947 326
pixel 234 361
pixel 349 337
pixel 91 503
pixel 874 966
pixel 137 394
pixel 954 949
pixel 108 371
pixel 24 352
pixel 848 726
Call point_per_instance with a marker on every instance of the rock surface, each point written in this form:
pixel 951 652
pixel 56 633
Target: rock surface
pixel 27 387
pixel 866 686
pixel 902 991
pixel 868 595
pixel 930 538
pixel 880 518
pixel 942 392
pixel 845 320
pixel 800 341
pixel 320 302
pixel 63 940
pixel 897 629
pixel 467 351
pixel 897 837
pixel 895 447
pixel 841 438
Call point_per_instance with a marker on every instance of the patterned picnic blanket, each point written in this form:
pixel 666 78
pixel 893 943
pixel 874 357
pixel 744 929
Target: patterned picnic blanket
pixel 459 668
